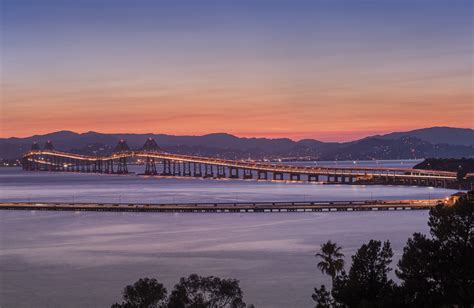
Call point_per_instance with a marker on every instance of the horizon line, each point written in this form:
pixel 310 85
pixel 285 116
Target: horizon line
pixel 235 135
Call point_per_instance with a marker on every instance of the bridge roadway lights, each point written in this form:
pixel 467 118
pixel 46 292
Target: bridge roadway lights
pixel 56 161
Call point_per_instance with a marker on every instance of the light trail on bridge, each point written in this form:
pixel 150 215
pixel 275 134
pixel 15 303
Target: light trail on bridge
pixel 50 159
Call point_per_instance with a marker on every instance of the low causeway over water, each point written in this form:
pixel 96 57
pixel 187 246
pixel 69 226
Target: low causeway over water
pixel 229 207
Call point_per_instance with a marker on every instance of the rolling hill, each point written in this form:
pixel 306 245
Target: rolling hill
pixel 440 142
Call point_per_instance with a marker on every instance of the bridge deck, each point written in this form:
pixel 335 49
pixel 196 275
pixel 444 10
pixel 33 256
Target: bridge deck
pixel 256 166
pixel 235 207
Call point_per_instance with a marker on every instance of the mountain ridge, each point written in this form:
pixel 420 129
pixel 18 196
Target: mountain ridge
pixel 438 135
pixel 418 143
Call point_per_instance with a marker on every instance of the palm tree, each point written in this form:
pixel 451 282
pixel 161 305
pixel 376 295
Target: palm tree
pixel 332 259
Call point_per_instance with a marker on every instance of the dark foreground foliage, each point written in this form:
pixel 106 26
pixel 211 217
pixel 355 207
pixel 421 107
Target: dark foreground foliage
pixel 145 292
pixel 436 271
pixel 191 292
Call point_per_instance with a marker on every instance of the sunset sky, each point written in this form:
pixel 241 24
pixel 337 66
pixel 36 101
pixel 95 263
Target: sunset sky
pixel 332 70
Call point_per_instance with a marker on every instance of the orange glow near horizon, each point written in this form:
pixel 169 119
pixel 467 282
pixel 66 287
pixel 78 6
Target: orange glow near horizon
pixel 339 73
pixel 249 111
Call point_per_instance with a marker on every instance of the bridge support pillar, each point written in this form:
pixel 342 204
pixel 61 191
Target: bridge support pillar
pixel 150 167
pixel 295 177
pixel 248 174
pixel 208 172
pixel 233 173
pixel 55 163
pixel 186 169
pixel 24 164
pixel 36 165
pixel 166 167
pixel 262 175
pixel 313 178
pixel 277 176
pixel 50 165
pixel 220 171
pixel 122 165
pixel 29 165
pixel 100 164
pixel 197 170
pixel 176 168
pixel 109 166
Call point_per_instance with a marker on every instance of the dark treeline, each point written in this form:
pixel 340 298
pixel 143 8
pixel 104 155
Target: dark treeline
pixel 190 292
pixel 434 271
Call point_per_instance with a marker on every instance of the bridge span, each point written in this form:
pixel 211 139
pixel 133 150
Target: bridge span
pixel 230 207
pixel 158 162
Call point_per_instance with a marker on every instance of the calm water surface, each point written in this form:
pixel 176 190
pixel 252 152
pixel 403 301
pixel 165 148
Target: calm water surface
pixel 18 185
pixel 67 259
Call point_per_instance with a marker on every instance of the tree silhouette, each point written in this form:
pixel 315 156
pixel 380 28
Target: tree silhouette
pixel 206 292
pixel 332 259
pixel 322 297
pixel 435 271
pixel 144 293
pixel 440 270
pixel 367 282
pixel 191 292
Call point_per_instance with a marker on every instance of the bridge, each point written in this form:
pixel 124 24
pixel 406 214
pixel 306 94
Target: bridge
pixel 160 163
pixel 230 207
